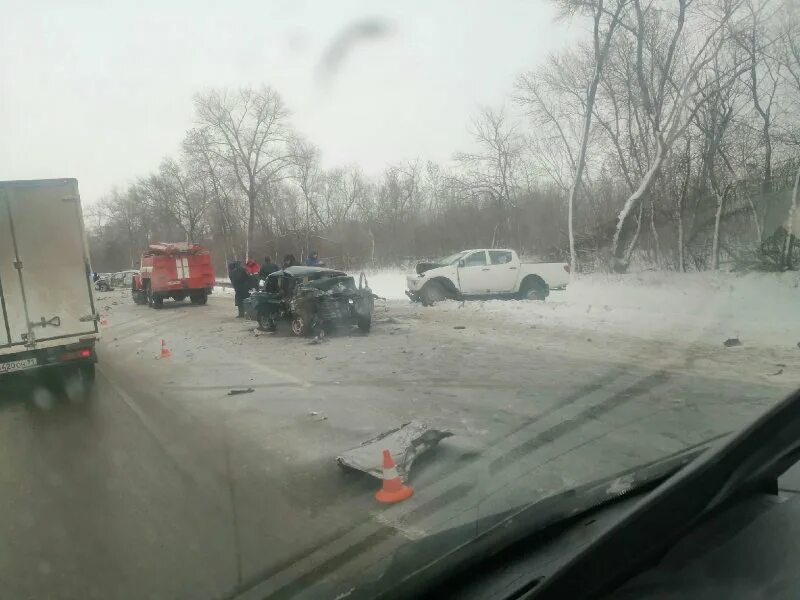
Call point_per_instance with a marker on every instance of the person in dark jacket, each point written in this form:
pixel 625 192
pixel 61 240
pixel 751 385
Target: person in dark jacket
pixel 289 261
pixel 242 283
pixel 267 268
pixel 313 260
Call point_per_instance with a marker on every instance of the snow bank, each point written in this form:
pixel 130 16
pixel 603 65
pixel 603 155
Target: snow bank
pixel 758 308
pixel 389 283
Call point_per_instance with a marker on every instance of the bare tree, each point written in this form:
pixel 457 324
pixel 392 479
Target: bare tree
pixel 602 33
pixel 248 131
pixel 670 86
pixel 493 169
pixel 187 198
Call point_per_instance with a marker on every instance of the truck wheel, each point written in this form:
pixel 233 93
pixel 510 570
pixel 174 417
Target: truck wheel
pixel 432 292
pixel 199 299
pixel 87 373
pixel 155 301
pixel 534 289
pixel 365 324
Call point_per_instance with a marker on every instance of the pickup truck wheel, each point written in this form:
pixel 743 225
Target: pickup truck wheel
pixel 534 289
pixel 432 292
pixel 102 286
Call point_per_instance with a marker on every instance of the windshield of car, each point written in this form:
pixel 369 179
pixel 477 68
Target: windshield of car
pixel 621 180
pixel 453 258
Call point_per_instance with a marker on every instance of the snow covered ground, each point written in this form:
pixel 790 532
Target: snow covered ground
pixel 757 308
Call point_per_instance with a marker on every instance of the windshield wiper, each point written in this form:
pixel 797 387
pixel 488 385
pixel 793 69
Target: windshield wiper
pixel 749 461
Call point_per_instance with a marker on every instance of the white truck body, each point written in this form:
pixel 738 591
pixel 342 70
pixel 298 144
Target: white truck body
pixel 47 310
pixel 486 272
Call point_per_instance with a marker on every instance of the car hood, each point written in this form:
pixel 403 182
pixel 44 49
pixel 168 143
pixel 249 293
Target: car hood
pixel 427 266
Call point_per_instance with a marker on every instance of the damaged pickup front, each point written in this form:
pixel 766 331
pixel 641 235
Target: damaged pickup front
pixel 314 300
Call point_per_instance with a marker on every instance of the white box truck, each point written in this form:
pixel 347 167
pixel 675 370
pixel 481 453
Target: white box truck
pixel 47 312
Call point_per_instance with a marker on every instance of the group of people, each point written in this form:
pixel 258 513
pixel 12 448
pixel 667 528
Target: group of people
pixel 245 277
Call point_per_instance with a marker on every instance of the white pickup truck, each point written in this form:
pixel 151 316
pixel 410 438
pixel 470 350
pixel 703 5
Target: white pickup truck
pixel 486 272
pixel 47 313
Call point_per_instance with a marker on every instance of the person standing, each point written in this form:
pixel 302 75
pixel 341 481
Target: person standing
pixel 313 260
pixel 251 267
pixel 241 282
pixel 267 268
pixel 289 261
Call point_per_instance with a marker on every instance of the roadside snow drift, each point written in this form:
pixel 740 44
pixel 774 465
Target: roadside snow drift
pixel 758 308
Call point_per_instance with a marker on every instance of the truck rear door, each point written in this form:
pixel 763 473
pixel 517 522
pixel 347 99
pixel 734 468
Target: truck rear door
pixel 44 270
pixel 503 274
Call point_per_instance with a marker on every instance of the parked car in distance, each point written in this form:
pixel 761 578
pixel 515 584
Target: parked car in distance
pixel 103 283
pixel 482 273
pixel 123 279
pixel 110 281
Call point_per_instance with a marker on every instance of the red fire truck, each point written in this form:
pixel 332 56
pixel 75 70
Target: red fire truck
pixel 176 271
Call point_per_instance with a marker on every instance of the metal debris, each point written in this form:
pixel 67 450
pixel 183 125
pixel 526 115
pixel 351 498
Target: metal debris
pixel 405 444
pixel 236 392
pixel 730 342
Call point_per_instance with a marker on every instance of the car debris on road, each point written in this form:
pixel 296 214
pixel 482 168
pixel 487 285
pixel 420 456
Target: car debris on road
pixel 236 392
pixel 404 443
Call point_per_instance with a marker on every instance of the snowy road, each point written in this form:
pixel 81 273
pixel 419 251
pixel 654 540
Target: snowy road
pixel 164 486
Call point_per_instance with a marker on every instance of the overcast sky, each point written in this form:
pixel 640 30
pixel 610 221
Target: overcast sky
pixel 102 91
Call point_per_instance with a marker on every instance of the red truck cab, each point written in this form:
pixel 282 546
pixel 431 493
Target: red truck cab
pixel 174 270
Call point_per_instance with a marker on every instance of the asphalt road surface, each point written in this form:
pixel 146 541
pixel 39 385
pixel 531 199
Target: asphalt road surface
pixel 155 483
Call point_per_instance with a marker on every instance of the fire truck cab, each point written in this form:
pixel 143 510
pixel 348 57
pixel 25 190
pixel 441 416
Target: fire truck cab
pixel 177 270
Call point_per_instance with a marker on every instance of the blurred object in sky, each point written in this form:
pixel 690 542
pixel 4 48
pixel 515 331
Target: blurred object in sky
pixel 335 54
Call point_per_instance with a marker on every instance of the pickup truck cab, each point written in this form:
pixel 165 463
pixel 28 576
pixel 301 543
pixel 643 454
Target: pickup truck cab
pixel 484 272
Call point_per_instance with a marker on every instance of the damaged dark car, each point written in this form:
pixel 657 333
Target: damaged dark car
pixel 313 301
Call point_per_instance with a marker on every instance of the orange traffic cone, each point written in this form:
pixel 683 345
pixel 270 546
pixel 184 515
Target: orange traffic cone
pixel 165 352
pixel 393 489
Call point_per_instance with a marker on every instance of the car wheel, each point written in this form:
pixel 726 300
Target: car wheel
pixel 431 293
pixel 299 326
pixel 267 323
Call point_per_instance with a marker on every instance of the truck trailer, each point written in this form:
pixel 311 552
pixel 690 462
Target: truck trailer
pixel 48 318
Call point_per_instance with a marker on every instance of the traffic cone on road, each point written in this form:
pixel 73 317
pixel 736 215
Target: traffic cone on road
pixel 393 488
pixel 165 352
